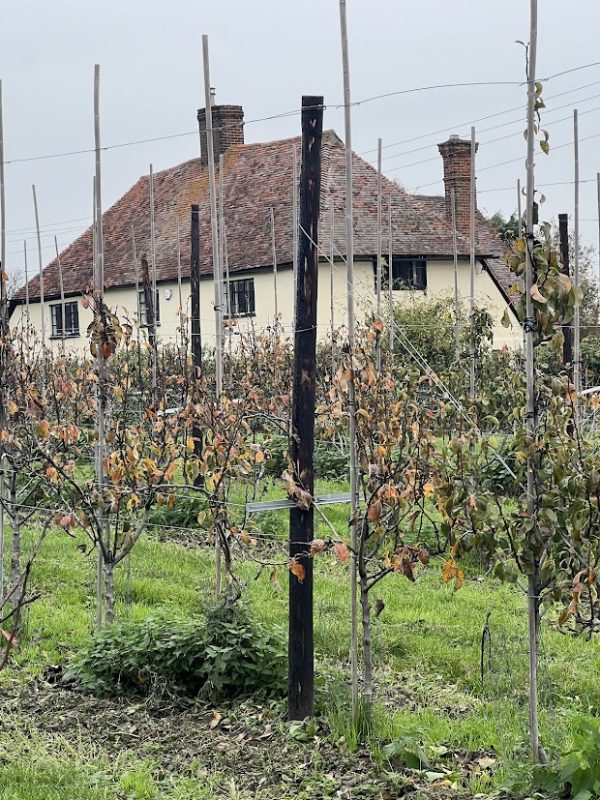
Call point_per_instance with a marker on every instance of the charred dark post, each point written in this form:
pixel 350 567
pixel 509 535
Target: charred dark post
pixel 195 289
pixel 563 233
pixel 148 301
pixel 301 648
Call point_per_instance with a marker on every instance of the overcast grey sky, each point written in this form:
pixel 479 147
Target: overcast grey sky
pixel 264 55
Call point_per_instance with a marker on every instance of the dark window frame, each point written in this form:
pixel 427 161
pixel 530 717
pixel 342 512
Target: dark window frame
pixel 407 273
pixel 65 317
pixel 242 298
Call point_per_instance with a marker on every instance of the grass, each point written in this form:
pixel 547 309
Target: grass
pixel 427 646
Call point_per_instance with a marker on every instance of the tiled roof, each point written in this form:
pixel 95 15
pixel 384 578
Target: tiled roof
pixel 256 177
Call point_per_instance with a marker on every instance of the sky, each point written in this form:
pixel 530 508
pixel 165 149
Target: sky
pixel 264 56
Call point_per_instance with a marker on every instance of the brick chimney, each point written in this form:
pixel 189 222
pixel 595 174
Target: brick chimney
pixel 228 129
pixel 456 154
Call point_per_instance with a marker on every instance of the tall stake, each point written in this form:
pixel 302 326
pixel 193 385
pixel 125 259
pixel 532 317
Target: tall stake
pixel 41 273
pixel 598 199
pixel 301 648
pixel 354 500
pixel 180 294
pixel 519 210
pixel 195 290
pixel 391 273
pixel 295 217
pixel 331 282
pixel 472 370
pixel 456 296
pixel 576 316
pixel 154 299
pixel 378 267
pixel 213 225
pixel 104 544
pixel 26 267
pixel 274 255
pixel 533 583
pixel 3 265
pixel 61 284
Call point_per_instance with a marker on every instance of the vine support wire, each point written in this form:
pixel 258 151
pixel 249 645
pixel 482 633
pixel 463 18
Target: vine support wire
pixel 456 295
pixel 378 268
pixel 576 277
pixel 354 503
pixel 216 264
pixel 472 365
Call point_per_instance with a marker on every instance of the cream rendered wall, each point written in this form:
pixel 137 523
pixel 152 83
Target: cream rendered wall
pixel 440 280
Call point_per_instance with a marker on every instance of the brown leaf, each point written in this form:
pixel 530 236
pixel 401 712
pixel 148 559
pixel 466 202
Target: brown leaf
pixel 297 569
pixel 341 551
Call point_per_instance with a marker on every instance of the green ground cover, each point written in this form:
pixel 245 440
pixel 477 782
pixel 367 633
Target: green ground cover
pixel 58 743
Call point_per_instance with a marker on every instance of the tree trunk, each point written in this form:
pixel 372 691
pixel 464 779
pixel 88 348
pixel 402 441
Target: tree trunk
pixel 367 649
pixel 109 579
pixel 15 553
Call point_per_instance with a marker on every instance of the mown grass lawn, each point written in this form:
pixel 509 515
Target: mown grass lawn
pixel 427 645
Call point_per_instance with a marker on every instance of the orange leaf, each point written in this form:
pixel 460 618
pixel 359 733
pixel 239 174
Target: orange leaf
pixel 341 551
pixel 297 569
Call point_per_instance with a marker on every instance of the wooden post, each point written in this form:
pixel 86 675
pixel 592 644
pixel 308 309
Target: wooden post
pixel 195 290
pixel 150 322
pixel 563 231
pixel 456 295
pixel 354 499
pixel 472 369
pixel 577 314
pixel 183 350
pixel 213 223
pixel 301 649
pixel 378 267
pixel 391 274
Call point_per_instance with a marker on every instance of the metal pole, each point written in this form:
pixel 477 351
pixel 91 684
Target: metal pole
pixel 531 421
pixel 472 370
pixel 274 252
pixel 598 198
pixel 378 267
pixel 154 298
pixel 62 297
pixel 354 500
pixel 577 315
pixel 456 295
pixel 295 217
pixel 41 268
pixel 331 282
pixel 391 274
pixel 213 222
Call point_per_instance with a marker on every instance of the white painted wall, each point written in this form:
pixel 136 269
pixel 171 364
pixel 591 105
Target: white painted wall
pixel 440 283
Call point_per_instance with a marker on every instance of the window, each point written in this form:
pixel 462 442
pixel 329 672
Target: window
pixel 142 309
pixel 407 273
pixel 241 298
pixel 65 319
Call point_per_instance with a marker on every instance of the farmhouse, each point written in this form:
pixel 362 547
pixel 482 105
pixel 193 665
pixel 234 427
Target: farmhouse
pixel 258 225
